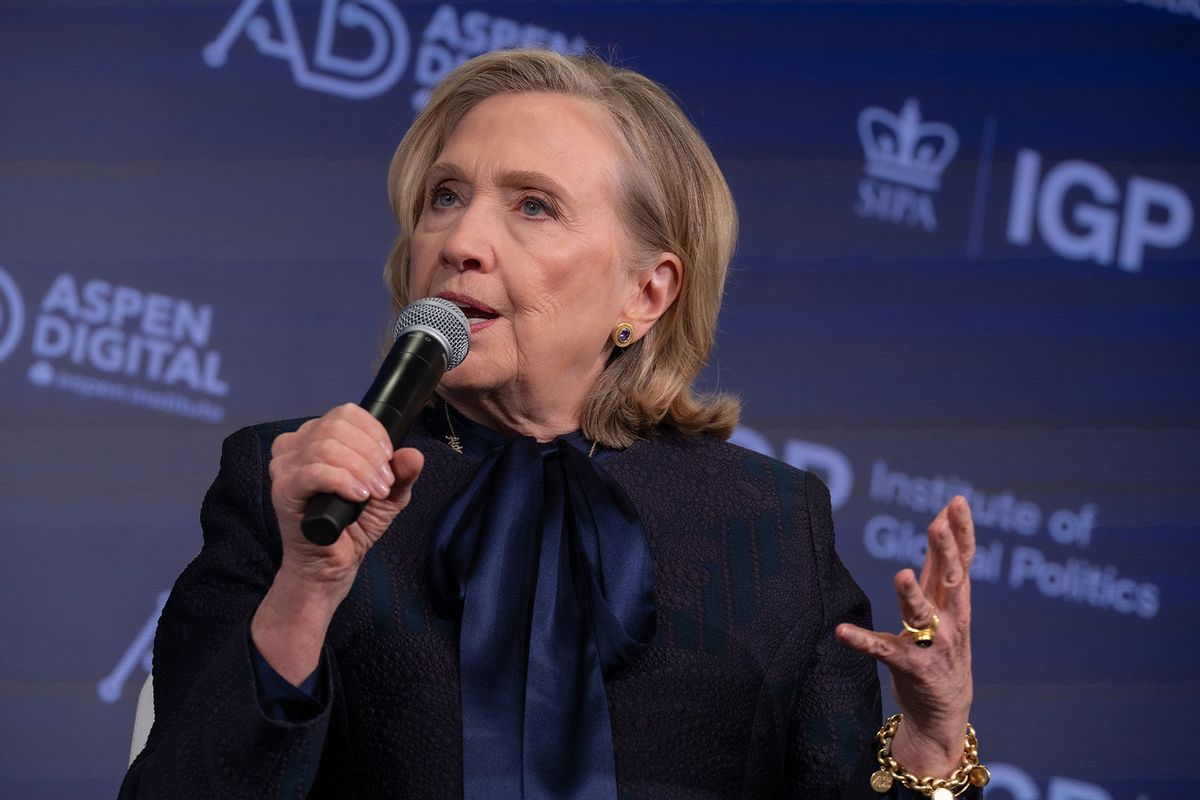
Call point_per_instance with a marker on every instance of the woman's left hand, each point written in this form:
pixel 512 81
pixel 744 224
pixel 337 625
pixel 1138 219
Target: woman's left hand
pixel 932 685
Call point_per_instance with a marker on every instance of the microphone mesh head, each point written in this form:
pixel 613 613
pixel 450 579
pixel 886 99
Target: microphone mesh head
pixel 442 319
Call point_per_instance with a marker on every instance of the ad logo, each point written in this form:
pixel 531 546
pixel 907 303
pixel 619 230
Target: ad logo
pixel 377 28
pixel 905 158
pixel 12 315
pixel 352 78
pixel 1078 212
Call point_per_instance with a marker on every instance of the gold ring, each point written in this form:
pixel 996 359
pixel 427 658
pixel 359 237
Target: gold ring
pixel 923 637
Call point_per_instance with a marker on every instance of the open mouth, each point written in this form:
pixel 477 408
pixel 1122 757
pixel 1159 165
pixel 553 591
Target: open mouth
pixel 476 313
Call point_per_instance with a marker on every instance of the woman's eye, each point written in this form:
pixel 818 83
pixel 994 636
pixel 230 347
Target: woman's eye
pixel 533 207
pixel 443 198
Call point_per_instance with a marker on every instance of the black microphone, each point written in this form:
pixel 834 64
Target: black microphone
pixel 431 338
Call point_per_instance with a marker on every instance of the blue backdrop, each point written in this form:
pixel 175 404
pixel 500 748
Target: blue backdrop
pixel 968 264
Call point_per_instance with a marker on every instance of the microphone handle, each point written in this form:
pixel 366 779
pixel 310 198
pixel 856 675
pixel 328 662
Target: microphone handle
pixel 403 385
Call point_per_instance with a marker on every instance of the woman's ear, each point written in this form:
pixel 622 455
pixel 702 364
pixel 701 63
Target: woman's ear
pixel 658 286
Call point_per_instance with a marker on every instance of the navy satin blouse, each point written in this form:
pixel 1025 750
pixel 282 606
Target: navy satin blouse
pixel 543 560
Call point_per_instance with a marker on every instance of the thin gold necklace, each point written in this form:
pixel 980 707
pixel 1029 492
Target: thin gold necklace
pixel 452 439
pixel 456 444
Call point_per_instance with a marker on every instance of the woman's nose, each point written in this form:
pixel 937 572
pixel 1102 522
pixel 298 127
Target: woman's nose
pixel 469 242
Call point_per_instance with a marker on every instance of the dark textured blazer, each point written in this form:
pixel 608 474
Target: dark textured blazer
pixel 744 692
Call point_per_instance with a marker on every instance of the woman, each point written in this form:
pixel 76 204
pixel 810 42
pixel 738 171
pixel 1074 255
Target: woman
pixel 568 585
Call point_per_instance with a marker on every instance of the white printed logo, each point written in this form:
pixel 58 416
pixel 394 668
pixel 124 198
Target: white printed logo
pixel 905 158
pixel 343 25
pixel 828 462
pixel 891 536
pixel 1186 8
pixel 1012 781
pixel 450 39
pixel 140 651
pixel 1095 229
pixel 12 315
pixel 99 339
pixel 353 78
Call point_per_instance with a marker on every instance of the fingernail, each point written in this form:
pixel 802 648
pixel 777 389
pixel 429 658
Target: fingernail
pixel 361 491
pixel 382 488
pixel 387 447
pixel 385 472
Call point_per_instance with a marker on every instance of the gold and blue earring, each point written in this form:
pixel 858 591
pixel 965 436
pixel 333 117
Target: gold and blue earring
pixel 622 335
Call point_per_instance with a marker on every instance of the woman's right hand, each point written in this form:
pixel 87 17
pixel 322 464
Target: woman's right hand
pixel 346 452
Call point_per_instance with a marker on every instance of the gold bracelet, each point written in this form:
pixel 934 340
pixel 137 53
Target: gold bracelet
pixel 969 773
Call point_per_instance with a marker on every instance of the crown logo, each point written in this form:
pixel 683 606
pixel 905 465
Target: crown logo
pixel 903 149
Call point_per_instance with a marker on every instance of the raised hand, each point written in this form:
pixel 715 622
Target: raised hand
pixel 932 685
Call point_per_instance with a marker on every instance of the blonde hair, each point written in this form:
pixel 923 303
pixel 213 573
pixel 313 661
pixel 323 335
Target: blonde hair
pixel 674 199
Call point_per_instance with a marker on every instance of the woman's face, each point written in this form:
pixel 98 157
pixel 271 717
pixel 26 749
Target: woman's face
pixel 520 228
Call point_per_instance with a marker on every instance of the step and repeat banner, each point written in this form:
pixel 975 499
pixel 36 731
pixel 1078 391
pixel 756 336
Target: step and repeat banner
pixel 969 264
